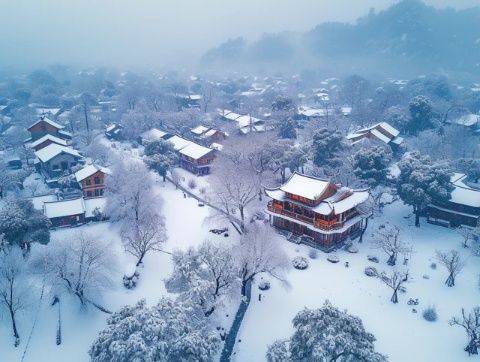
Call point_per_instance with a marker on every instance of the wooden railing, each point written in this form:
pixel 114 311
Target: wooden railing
pixel 318 223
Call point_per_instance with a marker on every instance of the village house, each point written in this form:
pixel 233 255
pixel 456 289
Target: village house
pixel 154 134
pixel 91 180
pixel 463 208
pixel 196 158
pixel 245 123
pixel 114 132
pixel 74 211
pixel 54 160
pixel 315 211
pixel 46 140
pixel 382 132
pixel 193 157
pixel 207 135
pixel 46 126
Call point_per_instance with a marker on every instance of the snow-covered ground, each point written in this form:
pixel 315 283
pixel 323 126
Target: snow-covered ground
pixel 400 333
pixel 187 225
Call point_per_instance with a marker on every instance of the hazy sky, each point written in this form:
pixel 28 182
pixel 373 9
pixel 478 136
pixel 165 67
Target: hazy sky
pixel 153 33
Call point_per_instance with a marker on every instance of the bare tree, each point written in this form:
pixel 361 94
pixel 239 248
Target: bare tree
pixel 133 203
pixel 394 280
pixel 143 234
pixel 82 267
pixel 258 253
pixel 388 239
pixel 467 234
pixel 471 323
pixel 13 288
pixel 453 262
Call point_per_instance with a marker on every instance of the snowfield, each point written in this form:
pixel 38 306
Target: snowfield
pixel 401 334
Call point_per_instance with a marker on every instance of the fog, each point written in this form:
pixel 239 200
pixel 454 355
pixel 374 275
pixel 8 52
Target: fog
pixel 152 33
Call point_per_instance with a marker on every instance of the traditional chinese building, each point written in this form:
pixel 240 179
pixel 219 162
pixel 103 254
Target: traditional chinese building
pixel 315 211
pixel 463 208
pixel 382 132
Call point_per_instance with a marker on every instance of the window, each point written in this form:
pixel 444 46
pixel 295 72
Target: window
pixel 98 192
pixel 88 182
pixel 55 167
pixel 89 193
pixel 96 180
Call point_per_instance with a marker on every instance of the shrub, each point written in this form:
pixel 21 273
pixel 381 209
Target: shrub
pixel 300 263
pixel 313 254
pixel 430 314
pixel 202 190
pixel 433 266
pixel 371 271
pixel 192 183
pixel 264 285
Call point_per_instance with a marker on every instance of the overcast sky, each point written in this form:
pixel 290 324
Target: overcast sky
pixel 156 32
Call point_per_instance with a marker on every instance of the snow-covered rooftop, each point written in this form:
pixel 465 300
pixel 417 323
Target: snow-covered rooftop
pixel 305 186
pixel 195 151
pixel 199 130
pixel 64 208
pixel 53 150
pixel 49 121
pixel 179 142
pixel 48 137
pixel 154 134
pixel 88 171
pixel 462 193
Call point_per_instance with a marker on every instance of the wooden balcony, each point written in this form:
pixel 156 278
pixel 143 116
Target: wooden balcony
pixel 318 223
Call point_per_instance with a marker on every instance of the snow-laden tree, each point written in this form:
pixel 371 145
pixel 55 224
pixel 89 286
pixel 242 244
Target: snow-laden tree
pixel 205 275
pixel 81 266
pixel 422 182
pixel 327 145
pixel 326 334
pixel 133 203
pixel 98 152
pixel 453 262
pixel 278 156
pixel 388 240
pixel 160 156
pixel 259 252
pixel 471 324
pixel 394 280
pixel 21 224
pixel 421 114
pixel 371 164
pixel 167 331
pixel 14 290
pixel 287 129
pixel 471 167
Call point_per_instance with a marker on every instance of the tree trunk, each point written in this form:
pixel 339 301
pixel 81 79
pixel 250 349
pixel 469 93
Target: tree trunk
pixel 244 288
pixel 14 327
pixel 86 117
pixel 450 282
pixel 140 259
pixel 392 259
pixel 471 348
pixel 363 230
pixel 394 298
pixel 417 218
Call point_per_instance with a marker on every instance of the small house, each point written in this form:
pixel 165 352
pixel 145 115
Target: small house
pixel 196 158
pixel 46 126
pixel 114 132
pixel 46 140
pixel 91 180
pixel 65 212
pixel 54 160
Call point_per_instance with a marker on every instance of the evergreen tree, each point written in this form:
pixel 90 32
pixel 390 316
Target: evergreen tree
pixel 371 164
pixel 421 114
pixel 326 334
pixel 287 129
pixel 327 145
pixel 422 182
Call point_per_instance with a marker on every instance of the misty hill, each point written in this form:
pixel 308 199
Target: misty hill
pixel 409 37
